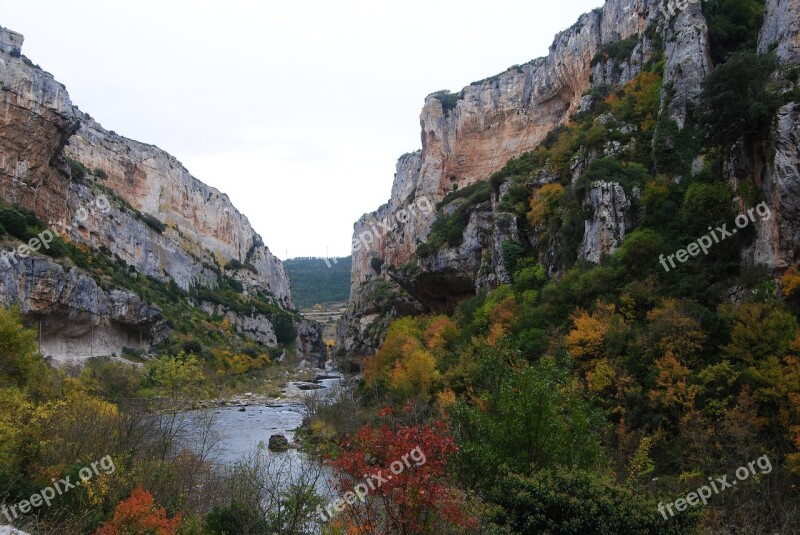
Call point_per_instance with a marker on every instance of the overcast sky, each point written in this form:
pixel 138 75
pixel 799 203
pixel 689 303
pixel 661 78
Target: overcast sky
pixel 297 110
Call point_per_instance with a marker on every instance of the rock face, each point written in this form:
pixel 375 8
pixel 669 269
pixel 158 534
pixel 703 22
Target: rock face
pixel 605 231
pixel 468 136
pixel 776 244
pixel 201 221
pixel 138 204
pixel 75 316
pixel 781 30
pixel 36 120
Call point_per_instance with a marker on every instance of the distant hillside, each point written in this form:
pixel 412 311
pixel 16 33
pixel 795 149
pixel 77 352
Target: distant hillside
pixel 319 280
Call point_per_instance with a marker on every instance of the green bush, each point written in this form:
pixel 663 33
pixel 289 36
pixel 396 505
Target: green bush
pixel 15 223
pixel 566 501
pixel 77 170
pixel 99 173
pixel 448 99
pixel 152 222
pixel 512 253
pixel 376 264
pixel 618 51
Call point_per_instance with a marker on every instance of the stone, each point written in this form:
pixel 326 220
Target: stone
pixel 278 443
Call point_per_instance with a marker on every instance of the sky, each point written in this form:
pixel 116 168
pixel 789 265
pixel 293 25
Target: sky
pixel 297 110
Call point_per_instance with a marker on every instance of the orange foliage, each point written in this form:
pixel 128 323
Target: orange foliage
pixel 439 333
pixel 791 283
pixel 139 515
pixel 502 317
pixel 587 340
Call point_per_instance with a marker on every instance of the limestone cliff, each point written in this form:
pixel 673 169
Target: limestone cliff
pixel 469 135
pixel 137 204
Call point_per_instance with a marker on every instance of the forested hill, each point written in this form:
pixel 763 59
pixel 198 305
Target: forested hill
pixel 319 280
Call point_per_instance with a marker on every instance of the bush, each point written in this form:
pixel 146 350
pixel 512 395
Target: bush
pixel 77 170
pixel 285 330
pixel 448 99
pixel 153 222
pixel 14 222
pixel 564 501
pixel 618 51
pixel 99 173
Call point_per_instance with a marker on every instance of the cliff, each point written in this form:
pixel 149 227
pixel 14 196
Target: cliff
pixel 130 202
pixel 470 135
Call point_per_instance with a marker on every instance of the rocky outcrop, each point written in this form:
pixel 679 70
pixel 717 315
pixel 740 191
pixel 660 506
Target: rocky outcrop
pixel 776 244
pixel 74 315
pixel 605 231
pixel 470 135
pixel 36 120
pixel 688 59
pixel 777 238
pixel 781 30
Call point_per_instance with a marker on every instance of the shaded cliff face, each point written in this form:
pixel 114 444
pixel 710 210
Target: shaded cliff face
pixel 777 244
pixel 137 204
pixel 75 316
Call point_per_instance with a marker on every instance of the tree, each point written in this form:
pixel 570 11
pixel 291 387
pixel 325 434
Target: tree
pixel 416 497
pixel 20 360
pixel 738 99
pixel 138 515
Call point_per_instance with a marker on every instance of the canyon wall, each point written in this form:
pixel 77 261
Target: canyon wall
pixel 137 204
pixel 469 135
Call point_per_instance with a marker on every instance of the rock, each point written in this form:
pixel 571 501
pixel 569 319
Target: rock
pixel 605 230
pixel 76 316
pixel 278 443
pixel 781 30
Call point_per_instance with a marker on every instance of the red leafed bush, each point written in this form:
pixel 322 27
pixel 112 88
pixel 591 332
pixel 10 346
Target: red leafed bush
pixel 417 499
pixel 138 515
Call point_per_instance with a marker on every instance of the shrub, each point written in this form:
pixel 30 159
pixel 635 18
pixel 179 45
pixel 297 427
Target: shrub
pixel 564 501
pixel 99 173
pixel 618 51
pixel 376 264
pixel 153 222
pixel 14 222
pixel 77 170
pixel 448 99
pixel 234 264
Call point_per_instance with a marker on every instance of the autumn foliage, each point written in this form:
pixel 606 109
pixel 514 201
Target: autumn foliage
pixel 138 515
pixel 419 499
